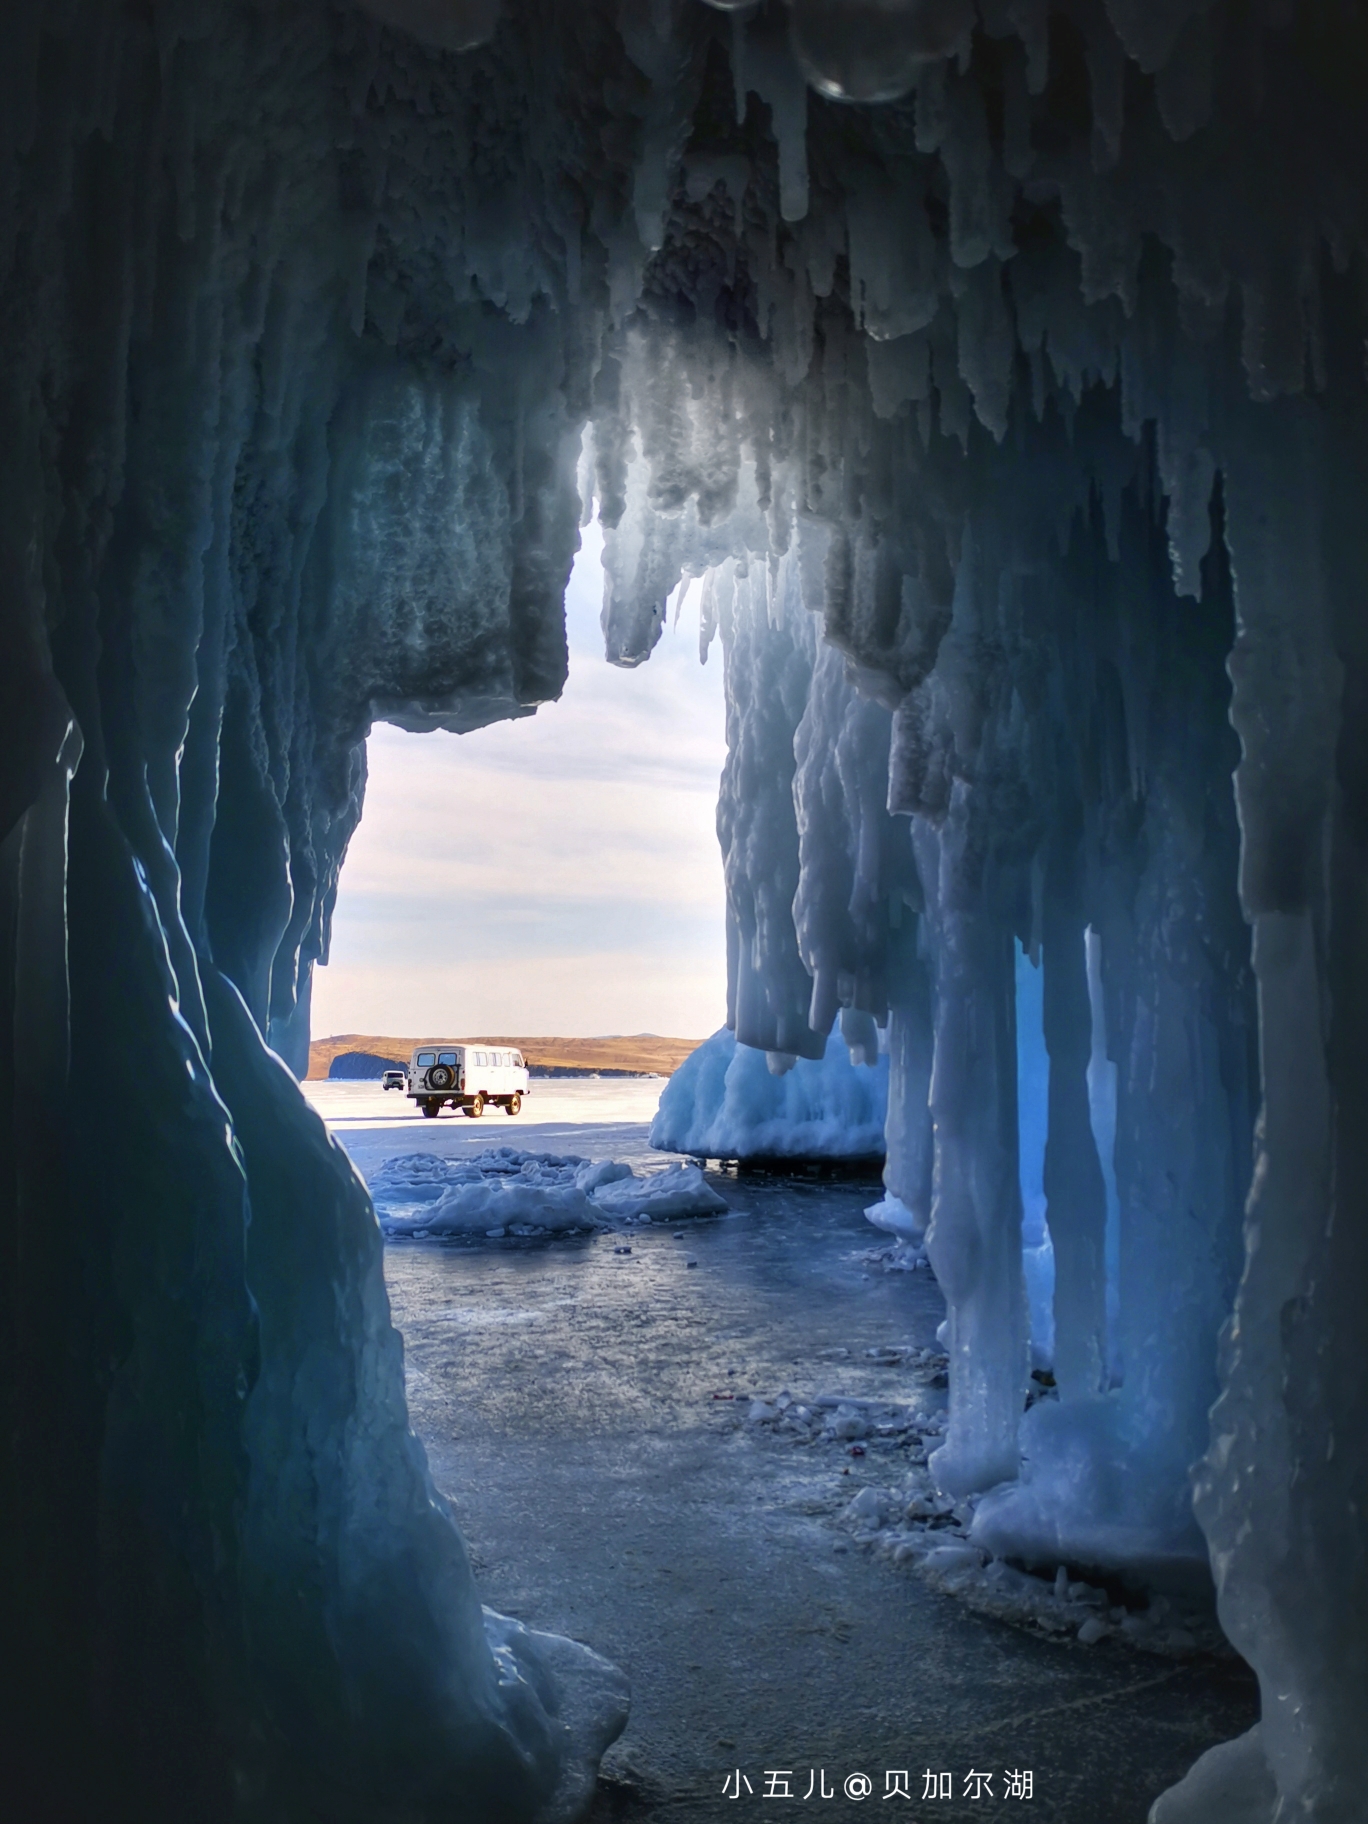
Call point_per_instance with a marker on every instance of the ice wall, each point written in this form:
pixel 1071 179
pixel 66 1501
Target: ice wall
pixel 999 368
pixel 288 436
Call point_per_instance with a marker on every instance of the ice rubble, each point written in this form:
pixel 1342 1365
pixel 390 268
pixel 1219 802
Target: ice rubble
pixel 502 1191
pixel 907 1519
pixel 725 1102
pixel 1036 392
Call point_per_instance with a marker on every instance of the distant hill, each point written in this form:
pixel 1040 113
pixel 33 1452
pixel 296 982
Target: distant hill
pixel 358 1065
pixel 642 1051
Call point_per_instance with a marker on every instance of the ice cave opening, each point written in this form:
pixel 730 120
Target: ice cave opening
pixel 997 368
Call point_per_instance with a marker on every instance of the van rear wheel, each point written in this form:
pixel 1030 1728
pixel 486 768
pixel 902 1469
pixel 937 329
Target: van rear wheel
pixel 475 1109
pixel 432 1108
pixel 513 1105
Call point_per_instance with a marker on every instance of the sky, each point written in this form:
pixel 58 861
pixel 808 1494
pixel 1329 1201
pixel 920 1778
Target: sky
pixel 558 875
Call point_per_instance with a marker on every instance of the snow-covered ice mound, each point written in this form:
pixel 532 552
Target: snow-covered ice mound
pixel 678 1190
pixel 724 1102
pixel 502 1191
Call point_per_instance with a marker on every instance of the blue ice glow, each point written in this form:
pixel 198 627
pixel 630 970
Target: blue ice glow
pixel 1033 1098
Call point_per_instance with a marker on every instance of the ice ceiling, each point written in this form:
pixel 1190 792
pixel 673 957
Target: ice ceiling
pixel 1001 368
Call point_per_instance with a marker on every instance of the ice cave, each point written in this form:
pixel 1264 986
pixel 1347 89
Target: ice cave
pixel 998 368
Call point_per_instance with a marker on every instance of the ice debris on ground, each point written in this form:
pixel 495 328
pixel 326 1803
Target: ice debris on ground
pixel 894 1257
pixel 910 1522
pixel 728 1101
pixel 503 1191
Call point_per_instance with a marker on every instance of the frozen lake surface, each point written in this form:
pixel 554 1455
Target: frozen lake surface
pixel 596 1116
pixel 566 1395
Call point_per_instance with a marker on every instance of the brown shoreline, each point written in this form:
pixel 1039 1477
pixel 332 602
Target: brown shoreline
pixel 637 1052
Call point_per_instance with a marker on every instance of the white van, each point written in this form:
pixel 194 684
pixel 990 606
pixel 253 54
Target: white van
pixel 466 1076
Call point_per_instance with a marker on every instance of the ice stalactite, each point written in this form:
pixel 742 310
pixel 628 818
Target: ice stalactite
pixel 769 674
pixel 857 881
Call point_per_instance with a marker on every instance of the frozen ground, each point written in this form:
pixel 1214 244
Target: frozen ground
pixel 567 1396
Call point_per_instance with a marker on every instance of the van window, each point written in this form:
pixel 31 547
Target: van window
pixel 517 1060
pixel 425 1058
pixel 446 1057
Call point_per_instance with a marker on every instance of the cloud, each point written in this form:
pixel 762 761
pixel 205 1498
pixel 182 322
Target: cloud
pixel 555 874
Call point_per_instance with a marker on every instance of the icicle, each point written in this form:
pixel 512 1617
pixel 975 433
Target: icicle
pixel 777 80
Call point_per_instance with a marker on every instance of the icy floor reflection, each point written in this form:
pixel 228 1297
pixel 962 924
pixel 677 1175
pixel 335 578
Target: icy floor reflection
pixel 566 1396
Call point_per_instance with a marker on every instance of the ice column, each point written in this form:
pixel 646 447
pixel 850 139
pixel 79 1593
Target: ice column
pixel 1102 1108
pixel 909 1135
pixel 1106 1469
pixel 1033 1127
pixel 1076 1203
pixel 974 1240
